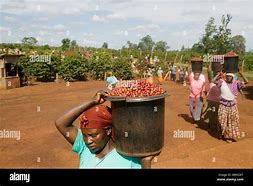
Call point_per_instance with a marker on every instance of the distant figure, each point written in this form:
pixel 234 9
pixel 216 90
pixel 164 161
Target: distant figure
pixel 160 75
pixel 111 81
pixel 186 74
pixel 182 75
pixel 178 74
pixel 149 78
pixel 174 73
pixel 169 72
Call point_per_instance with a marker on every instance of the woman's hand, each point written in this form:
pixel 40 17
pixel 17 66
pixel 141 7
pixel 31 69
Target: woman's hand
pixel 99 98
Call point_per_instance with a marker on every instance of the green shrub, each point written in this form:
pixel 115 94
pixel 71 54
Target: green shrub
pixel 42 71
pixel 99 65
pixel 122 69
pixel 74 68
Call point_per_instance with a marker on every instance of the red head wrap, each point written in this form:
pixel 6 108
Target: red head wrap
pixel 96 118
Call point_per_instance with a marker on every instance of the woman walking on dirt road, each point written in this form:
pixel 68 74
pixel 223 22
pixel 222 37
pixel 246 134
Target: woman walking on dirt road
pixel 197 86
pixel 228 114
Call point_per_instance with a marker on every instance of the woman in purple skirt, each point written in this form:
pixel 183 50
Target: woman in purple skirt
pixel 228 114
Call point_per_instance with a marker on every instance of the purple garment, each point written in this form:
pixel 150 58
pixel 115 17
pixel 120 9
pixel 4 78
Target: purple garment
pixel 213 93
pixel 235 87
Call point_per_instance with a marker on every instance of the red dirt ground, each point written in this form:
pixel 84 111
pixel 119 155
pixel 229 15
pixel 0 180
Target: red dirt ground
pixel 42 146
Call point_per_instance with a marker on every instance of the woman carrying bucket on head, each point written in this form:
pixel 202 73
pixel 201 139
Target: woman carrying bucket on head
pixel 197 87
pixel 94 141
pixel 228 114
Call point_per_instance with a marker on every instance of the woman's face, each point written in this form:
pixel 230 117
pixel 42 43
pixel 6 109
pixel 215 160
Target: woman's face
pixel 96 139
pixel 229 79
pixel 196 75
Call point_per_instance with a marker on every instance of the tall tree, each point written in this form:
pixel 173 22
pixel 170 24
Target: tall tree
pixel 132 46
pixel 161 46
pixel 73 45
pixel 216 41
pixel 29 41
pixel 105 45
pixel 198 47
pixel 65 44
pixel 223 38
pixel 146 43
pixel 238 44
pixel 208 39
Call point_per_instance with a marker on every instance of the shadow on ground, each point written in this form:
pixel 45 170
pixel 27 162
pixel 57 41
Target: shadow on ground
pixel 212 130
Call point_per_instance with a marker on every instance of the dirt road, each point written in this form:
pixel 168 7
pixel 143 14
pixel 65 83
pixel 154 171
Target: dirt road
pixel 32 111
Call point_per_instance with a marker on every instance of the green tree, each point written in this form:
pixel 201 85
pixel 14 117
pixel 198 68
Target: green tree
pixel 208 39
pixel 248 61
pixel 182 48
pixel 223 38
pixel 65 44
pixel 132 46
pixel 42 71
pixel 146 43
pixel 215 41
pixel 29 41
pixel 100 64
pixel 73 45
pixel 74 68
pixel 161 46
pixel 122 69
pixel 198 47
pixel 46 47
pixel 105 45
pixel 238 44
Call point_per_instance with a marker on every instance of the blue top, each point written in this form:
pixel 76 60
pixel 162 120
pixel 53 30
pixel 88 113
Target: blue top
pixel 111 80
pixel 173 70
pixel 112 160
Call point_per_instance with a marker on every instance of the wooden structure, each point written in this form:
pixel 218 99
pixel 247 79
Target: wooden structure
pixel 8 71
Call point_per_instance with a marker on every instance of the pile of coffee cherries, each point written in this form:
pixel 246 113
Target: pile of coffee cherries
pixel 137 88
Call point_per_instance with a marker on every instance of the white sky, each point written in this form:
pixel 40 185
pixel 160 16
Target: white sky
pixel 92 22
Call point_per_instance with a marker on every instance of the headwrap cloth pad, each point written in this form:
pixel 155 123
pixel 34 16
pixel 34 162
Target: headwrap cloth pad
pixel 97 117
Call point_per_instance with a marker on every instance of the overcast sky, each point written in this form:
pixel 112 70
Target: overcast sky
pixel 92 22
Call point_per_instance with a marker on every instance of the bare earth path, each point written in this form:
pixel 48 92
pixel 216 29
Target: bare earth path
pixel 32 111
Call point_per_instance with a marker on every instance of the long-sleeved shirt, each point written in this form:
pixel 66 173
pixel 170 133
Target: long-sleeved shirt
pixel 234 87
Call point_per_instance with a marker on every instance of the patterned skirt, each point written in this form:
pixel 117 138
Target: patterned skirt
pixel 229 122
